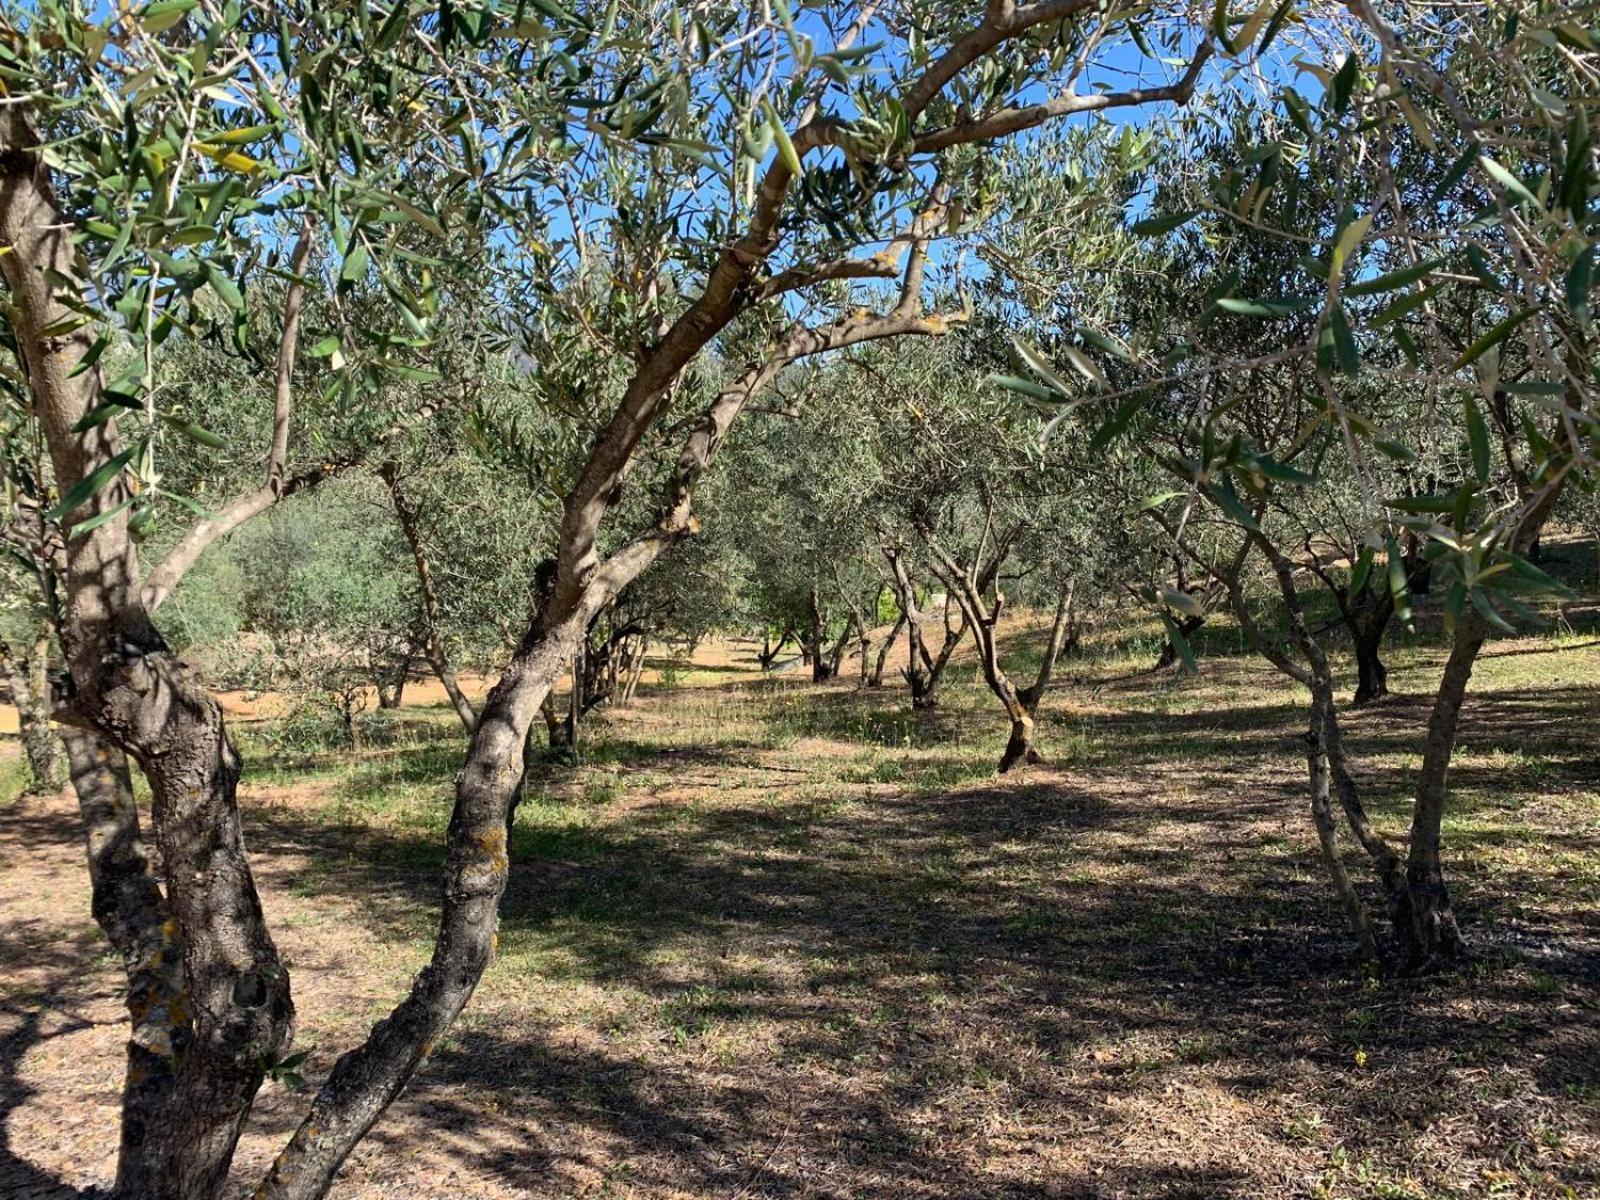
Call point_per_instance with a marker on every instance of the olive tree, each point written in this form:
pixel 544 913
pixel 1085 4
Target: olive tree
pixel 1451 252
pixel 153 160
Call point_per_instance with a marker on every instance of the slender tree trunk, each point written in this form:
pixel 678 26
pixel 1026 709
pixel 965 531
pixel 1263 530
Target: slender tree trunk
pixel 1435 934
pixel 820 669
pixel 635 669
pixel 128 905
pixel 432 643
pixel 1327 833
pixel 841 646
pixel 29 684
pixel 1317 676
pixel 365 1081
pixel 1385 862
pixel 876 678
pixel 969 586
pixel 575 699
pixel 1031 696
pixel 1372 677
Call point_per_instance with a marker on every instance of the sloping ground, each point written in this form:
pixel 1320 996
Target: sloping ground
pixel 772 940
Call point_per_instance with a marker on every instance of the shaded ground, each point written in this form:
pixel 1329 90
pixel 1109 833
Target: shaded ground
pixel 772 940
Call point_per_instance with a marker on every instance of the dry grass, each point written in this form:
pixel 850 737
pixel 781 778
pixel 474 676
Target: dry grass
pixel 775 940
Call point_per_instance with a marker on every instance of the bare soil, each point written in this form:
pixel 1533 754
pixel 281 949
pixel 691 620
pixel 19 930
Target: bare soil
pixel 776 940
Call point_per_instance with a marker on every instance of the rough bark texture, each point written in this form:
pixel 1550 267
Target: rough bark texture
pixel 128 905
pixel 365 1081
pixel 129 687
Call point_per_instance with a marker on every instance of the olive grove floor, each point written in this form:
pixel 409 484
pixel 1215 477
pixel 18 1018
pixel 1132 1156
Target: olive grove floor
pixel 775 940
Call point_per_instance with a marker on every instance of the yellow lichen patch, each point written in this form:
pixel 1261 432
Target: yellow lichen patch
pixel 493 845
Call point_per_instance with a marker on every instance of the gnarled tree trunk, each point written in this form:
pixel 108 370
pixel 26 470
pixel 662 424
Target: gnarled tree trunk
pixel 128 905
pixel 130 688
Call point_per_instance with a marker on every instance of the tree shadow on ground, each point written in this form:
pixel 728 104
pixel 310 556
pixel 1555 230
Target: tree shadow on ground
pixel 31 1014
pixel 964 935
pixel 838 990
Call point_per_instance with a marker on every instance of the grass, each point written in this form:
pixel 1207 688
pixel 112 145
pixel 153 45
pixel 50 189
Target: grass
pixel 767 938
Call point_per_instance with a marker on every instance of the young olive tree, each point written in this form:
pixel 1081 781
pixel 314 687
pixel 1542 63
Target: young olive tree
pixel 1450 251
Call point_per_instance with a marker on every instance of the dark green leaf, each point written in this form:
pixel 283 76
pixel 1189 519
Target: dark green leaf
pixel 1478 440
pixel 1493 338
pixel 92 484
pixel 1155 226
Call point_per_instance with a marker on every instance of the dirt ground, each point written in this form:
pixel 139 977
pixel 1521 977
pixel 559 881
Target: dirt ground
pixel 771 939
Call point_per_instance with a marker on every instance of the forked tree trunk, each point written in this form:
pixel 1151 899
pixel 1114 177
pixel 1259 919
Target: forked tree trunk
pixel 1419 902
pixel 770 652
pixel 970 585
pixel 392 692
pixel 132 689
pixel 928 669
pixel 1061 636
pixel 922 670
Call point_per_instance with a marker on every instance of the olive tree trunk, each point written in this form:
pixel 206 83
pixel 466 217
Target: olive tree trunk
pixel 27 679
